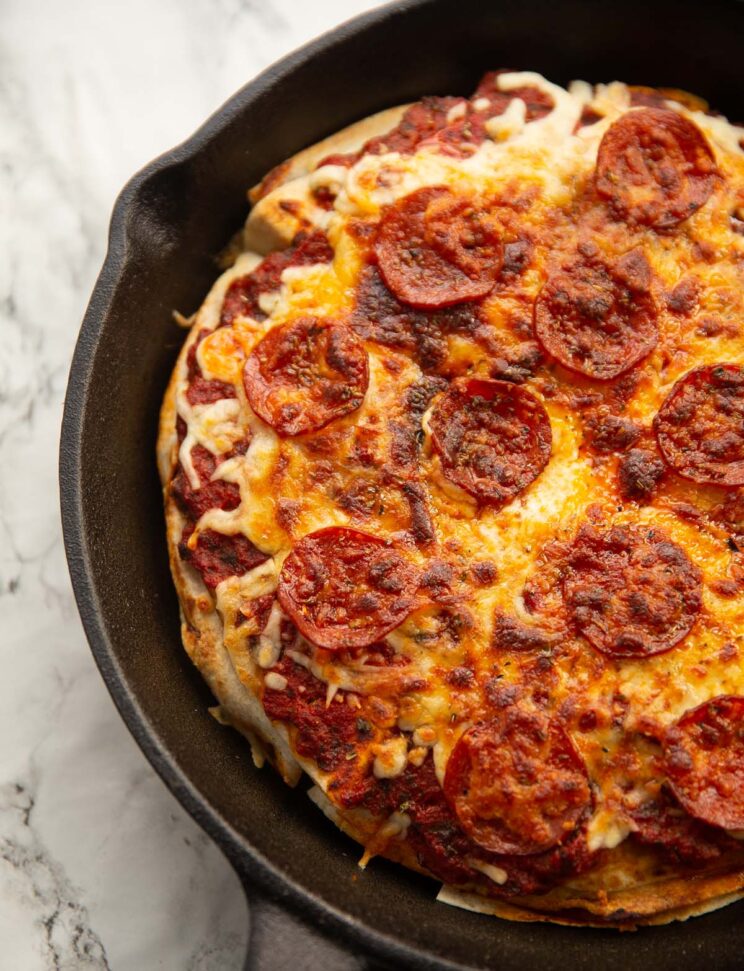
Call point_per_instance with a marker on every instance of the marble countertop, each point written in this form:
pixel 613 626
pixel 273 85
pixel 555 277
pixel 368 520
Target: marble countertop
pixel 99 865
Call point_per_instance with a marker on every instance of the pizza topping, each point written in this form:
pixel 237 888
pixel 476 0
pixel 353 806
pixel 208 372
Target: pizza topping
pixel 242 296
pixel 420 121
pixel 380 317
pixel 328 734
pixel 422 527
pixel 470 129
pixel 639 472
pixel 305 374
pixel 655 167
pixel 345 589
pixel 683 299
pixel 598 320
pixel 436 248
pixel 537 103
pixel 730 513
pixel 516 783
pixel 211 494
pixel 631 592
pixel 200 390
pixel 253 617
pixel 493 437
pixel 588 117
pixel 509 634
pixel 704 759
pixel 611 433
pixel 700 426
pixel 484 572
pixel 661 822
pixel 218 556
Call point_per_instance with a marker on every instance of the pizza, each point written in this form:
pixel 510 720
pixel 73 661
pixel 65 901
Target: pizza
pixel 453 466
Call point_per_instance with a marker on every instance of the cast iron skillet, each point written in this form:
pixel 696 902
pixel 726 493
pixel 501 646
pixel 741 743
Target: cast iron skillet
pixel 167 225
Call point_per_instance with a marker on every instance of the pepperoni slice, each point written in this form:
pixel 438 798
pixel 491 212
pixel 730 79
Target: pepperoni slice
pixel 631 592
pixel 598 320
pixel 493 437
pixel 700 426
pixel 345 589
pixel 516 783
pixel 655 167
pixel 304 374
pixel 704 759
pixel 436 249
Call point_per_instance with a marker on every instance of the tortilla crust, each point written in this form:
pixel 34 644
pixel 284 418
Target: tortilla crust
pixel 671 897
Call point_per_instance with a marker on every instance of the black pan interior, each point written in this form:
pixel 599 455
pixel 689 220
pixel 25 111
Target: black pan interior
pixel 168 226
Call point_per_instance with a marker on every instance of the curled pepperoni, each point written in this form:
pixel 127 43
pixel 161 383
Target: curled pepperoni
pixel 436 249
pixel 345 589
pixel 655 167
pixel 700 426
pixel 516 783
pixel 304 374
pixel 493 437
pixel 598 320
pixel 704 760
pixel 631 592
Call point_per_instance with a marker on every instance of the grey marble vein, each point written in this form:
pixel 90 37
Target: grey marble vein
pixel 68 940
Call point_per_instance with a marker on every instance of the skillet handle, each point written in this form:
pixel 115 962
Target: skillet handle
pixel 280 940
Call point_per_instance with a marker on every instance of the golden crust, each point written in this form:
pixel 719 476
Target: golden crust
pixel 235 682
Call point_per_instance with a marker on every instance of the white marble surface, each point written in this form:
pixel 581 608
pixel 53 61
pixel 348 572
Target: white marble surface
pixel 99 866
